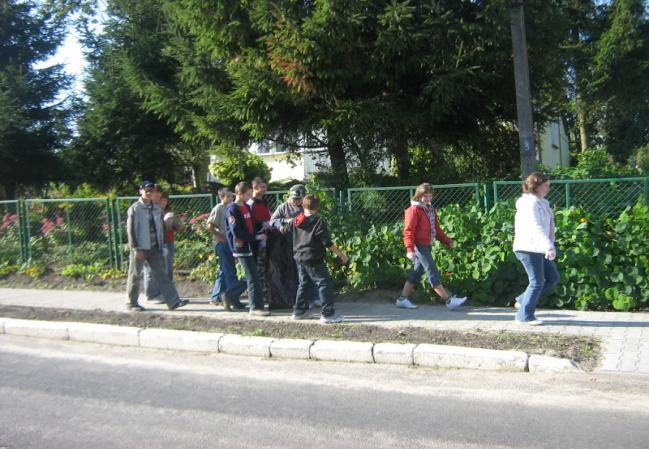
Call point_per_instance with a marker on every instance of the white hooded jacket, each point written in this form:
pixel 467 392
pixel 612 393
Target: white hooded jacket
pixel 533 225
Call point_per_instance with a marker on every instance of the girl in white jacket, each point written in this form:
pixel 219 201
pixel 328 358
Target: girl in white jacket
pixel 534 245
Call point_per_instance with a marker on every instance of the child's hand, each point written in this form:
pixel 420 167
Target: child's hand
pixel 411 256
pixel 261 237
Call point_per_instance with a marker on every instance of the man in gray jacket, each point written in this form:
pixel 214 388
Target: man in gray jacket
pixel 145 237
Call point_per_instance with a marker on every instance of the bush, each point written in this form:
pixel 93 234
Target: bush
pixel 603 261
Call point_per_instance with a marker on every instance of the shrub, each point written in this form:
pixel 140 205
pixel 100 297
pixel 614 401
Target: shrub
pixel 603 261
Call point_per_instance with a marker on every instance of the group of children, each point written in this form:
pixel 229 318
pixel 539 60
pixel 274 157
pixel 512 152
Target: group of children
pixel 241 222
pixel 240 225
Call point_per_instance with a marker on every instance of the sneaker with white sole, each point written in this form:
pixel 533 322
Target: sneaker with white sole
pixel 454 302
pixel 331 319
pixel 404 303
pixel 299 316
pixel 517 305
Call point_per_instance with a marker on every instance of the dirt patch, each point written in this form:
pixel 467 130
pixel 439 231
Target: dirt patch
pixel 584 351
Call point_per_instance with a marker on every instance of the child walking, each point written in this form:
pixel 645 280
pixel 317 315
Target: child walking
pixel 311 239
pixel 420 230
pixel 243 243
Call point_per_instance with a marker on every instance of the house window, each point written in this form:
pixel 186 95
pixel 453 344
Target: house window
pixel 264 147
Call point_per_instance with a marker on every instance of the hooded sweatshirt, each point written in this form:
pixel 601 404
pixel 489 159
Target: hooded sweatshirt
pixel 311 238
pixel 533 225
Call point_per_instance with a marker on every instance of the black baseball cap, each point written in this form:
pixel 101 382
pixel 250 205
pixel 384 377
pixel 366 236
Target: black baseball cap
pixel 147 185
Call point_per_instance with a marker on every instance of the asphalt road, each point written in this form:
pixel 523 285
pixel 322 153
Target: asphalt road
pixel 71 395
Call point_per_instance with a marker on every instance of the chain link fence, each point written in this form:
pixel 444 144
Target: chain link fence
pixel 597 196
pixel 68 231
pixel 12 244
pixel 386 205
pixel 192 242
pixel 60 232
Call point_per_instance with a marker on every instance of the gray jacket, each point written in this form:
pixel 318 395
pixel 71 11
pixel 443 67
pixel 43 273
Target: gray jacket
pixel 137 225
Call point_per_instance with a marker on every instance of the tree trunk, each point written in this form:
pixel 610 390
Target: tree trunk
pixel 338 159
pixel 399 150
pixel 584 140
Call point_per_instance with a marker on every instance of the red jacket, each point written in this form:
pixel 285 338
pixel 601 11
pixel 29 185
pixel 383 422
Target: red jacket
pixel 416 230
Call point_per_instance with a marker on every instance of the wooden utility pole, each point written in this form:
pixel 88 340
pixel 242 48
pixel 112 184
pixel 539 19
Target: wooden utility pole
pixel 523 91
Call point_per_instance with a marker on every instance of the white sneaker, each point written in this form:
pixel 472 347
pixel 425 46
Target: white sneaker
pixel 331 319
pixel 454 302
pixel 517 305
pixel 404 303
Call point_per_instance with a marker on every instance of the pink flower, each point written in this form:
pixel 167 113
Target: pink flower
pixel 8 220
pixel 47 226
pixel 60 221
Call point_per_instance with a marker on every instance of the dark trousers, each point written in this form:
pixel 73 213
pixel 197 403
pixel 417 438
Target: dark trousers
pixel 255 294
pixel 311 275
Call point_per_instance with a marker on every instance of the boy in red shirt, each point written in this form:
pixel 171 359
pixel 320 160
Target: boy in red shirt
pixel 243 243
pixel 261 217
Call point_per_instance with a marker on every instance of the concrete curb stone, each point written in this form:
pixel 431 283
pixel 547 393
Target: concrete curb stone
pixel 104 333
pixel 394 353
pixel 342 351
pixel 180 340
pixel 439 356
pixel 547 364
pixel 245 345
pixel 43 329
pixel 2 324
pixel 291 348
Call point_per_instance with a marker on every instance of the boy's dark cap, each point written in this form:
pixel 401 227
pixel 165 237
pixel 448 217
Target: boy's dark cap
pixel 147 185
pixel 297 191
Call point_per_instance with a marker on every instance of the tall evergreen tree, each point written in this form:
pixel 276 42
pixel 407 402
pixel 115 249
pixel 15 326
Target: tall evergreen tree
pixel 119 141
pixel 32 118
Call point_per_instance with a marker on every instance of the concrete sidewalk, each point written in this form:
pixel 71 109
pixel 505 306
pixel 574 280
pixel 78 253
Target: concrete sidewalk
pixel 625 336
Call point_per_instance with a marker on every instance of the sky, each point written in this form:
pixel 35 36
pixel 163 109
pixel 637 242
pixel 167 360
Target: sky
pixel 70 53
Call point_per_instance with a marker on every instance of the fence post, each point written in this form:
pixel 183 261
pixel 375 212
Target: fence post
pixel 68 229
pixel 568 199
pixel 495 184
pixel 28 245
pixel 111 250
pixel 646 191
pixel 22 230
pixel 485 192
pixel 349 199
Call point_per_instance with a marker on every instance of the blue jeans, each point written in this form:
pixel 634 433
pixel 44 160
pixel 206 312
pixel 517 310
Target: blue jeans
pixel 424 263
pixel 151 289
pixel 543 277
pixel 255 293
pixel 318 275
pixel 227 274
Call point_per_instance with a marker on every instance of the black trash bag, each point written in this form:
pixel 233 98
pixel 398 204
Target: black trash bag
pixel 281 272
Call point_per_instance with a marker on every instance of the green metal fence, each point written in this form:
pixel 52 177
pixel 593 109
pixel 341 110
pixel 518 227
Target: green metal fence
pixel 386 204
pixel 190 210
pixel 597 196
pixel 71 230
pixel 12 243
pixel 57 232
